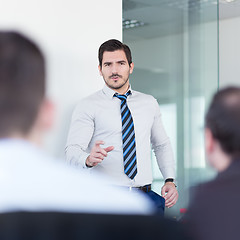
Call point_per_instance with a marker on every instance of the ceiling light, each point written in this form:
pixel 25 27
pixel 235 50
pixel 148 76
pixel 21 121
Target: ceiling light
pixel 127 23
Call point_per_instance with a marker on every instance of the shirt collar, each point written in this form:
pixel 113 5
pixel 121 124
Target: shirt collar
pixel 110 93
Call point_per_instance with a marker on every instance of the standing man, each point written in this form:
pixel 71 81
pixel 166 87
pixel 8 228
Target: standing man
pixel 214 208
pixel 113 129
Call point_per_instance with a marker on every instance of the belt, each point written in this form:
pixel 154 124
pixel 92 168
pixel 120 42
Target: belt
pixel 146 188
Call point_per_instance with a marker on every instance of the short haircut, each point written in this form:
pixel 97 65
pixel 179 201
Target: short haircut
pixel 111 46
pixel 22 83
pixel 223 119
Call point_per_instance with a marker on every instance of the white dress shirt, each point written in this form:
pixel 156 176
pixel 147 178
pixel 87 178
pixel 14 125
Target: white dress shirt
pixel 98 117
pixel 31 181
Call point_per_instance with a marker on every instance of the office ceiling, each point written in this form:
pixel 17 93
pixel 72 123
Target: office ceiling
pixel 229 10
pixel 164 17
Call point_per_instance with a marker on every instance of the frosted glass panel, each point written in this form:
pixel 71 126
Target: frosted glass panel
pixel 175 52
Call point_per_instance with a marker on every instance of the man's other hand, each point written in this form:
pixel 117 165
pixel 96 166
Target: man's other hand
pixel 170 193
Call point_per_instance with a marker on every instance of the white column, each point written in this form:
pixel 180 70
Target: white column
pixel 70 33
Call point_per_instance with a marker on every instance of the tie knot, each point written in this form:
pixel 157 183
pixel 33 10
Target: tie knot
pixel 122 97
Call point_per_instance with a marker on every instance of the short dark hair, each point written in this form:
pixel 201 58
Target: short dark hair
pixel 223 119
pixel 22 82
pixel 111 46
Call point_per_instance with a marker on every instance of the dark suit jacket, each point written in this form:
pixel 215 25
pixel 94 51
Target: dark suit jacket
pixel 214 210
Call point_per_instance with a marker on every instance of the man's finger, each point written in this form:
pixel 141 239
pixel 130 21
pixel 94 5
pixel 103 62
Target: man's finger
pixel 170 197
pixel 96 160
pixel 163 192
pixel 171 204
pixel 95 164
pixel 101 151
pixel 98 155
pixel 99 142
pixel 169 193
pixel 109 149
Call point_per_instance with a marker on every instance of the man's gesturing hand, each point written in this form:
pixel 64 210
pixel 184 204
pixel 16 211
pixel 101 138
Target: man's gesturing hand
pixel 97 154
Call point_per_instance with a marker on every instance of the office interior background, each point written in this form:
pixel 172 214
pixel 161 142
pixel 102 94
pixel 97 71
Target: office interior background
pixel 183 50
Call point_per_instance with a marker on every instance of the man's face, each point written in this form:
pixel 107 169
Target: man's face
pixel 116 70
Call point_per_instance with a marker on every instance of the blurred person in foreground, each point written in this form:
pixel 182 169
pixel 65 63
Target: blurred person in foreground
pixel 29 179
pixel 214 209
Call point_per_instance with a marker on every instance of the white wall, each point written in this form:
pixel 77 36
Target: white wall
pixel 70 33
pixel 229 52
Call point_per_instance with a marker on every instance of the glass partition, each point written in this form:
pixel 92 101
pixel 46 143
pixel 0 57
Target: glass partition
pixel 175 50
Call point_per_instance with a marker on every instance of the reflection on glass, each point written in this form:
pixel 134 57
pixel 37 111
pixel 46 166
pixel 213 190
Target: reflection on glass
pixel 176 60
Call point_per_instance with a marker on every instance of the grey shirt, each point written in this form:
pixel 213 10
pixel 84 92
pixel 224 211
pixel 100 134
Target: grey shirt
pixel 98 117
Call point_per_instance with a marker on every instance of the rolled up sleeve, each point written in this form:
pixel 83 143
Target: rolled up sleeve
pixel 79 136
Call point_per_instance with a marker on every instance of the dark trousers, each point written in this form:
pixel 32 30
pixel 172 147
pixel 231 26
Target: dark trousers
pixel 158 201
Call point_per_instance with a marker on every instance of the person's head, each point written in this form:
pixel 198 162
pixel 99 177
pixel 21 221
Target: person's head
pixel 222 124
pixel 22 86
pixel 115 64
pixel 111 46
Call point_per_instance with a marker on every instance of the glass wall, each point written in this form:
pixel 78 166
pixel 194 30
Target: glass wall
pixel 175 50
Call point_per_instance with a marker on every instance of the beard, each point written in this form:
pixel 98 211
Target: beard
pixel 118 84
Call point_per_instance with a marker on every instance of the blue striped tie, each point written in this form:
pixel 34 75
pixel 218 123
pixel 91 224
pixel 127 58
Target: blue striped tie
pixel 128 137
